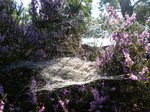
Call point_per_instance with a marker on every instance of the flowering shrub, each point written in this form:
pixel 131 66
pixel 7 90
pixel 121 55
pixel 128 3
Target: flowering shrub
pixel 130 53
pixel 43 37
pixel 52 33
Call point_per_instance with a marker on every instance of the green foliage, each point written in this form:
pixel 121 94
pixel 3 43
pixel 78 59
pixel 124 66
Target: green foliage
pixel 113 3
pixel 82 8
pixel 143 11
pixel 91 53
pixel 77 6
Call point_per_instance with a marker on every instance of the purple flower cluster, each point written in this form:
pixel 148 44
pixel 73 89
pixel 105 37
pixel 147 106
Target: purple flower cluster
pixel 144 70
pixel 12 108
pixel 128 60
pixel 32 94
pixel 133 77
pixel 127 55
pixel 1 106
pixel 148 19
pixel 112 12
pixel 148 48
pixel 95 94
pixel 49 35
pixel 42 38
pixel 129 20
pixel 97 104
pixel 41 109
pixel 143 38
pixel 63 104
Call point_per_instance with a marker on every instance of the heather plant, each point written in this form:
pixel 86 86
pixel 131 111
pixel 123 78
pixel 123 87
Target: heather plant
pixel 54 33
pixel 102 95
pixel 11 33
pixel 129 55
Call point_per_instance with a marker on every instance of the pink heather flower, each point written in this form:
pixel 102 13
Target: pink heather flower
pixel 111 22
pixel 126 24
pixel 42 109
pixel 126 39
pixel 132 18
pixel 136 34
pixel 129 20
pixel 125 70
pixel 148 19
pixel 148 48
pixel 125 52
pixel 128 60
pixel 144 34
pixel 95 94
pixel 112 12
pixel 98 62
pixel 135 105
pixel 2 106
pixel 113 89
pixel 133 77
pixel 127 16
pixel 100 100
pixel 65 92
pixel 144 70
pixel 114 36
pixel 32 93
pixel 140 41
pixel 62 103
pixel 125 35
pixel 97 102
pixel 66 101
